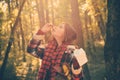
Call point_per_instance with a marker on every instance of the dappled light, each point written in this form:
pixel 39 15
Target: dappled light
pixel 21 19
pixel 33 15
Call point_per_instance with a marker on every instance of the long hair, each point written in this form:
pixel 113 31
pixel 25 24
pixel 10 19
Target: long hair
pixel 70 33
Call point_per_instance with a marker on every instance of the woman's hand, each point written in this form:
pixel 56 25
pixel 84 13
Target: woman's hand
pixel 47 27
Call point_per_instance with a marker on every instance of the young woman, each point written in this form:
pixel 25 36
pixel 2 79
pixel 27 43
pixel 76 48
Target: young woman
pixel 58 61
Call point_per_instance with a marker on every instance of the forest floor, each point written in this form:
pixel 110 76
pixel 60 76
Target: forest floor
pixel 19 70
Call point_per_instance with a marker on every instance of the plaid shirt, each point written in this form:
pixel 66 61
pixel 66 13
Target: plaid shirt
pixel 52 56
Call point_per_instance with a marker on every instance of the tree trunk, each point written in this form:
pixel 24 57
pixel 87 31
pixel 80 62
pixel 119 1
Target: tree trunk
pixel 23 40
pixel 1 41
pixel 85 67
pixel 99 19
pixel 88 35
pixel 40 12
pixel 77 24
pixel 18 41
pixel 2 69
pixel 76 21
pixel 16 3
pixel 91 33
pixel 8 2
pixel 112 43
pixel 47 11
pixel 52 11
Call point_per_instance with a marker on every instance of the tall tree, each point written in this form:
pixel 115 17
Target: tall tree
pixel 52 11
pixel 112 43
pixel 87 34
pixel 77 24
pixel 99 18
pixel 23 40
pixel 1 20
pixel 2 69
pixel 76 21
pixel 40 9
pixel 47 11
pixel 9 10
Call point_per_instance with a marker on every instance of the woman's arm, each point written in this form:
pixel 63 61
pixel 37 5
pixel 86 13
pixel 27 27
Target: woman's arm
pixel 33 47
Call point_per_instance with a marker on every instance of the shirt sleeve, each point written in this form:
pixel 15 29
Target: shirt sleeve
pixel 33 46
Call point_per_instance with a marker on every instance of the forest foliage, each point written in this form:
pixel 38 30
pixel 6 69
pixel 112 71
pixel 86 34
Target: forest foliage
pixel 33 15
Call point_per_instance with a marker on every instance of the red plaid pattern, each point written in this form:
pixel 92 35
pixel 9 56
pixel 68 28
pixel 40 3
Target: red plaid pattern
pixel 52 56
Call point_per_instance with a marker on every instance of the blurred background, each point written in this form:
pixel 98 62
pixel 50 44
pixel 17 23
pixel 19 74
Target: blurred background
pixel 20 19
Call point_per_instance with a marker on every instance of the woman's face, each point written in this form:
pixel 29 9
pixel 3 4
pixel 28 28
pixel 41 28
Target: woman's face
pixel 58 31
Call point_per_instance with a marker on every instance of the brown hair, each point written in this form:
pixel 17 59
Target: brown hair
pixel 70 33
